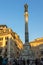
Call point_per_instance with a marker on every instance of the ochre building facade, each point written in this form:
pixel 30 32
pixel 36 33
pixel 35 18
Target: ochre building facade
pixel 10 43
pixel 37 48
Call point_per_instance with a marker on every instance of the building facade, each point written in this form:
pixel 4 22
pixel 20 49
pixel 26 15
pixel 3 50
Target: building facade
pixel 37 48
pixel 10 43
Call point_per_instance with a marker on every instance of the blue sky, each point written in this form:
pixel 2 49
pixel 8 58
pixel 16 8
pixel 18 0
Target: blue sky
pixel 12 14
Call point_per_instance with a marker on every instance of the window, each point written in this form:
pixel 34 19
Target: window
pixel 14 37
pixel 1 38
pixel 15 44
pixel 42 52
pixel 0 51
pixel 6 42
pixel 6 38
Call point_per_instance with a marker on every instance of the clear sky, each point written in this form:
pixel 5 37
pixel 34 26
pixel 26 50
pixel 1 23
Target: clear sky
pixel 12 14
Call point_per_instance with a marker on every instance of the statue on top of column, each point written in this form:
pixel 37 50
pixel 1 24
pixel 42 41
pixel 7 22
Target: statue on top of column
pixel 26 7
